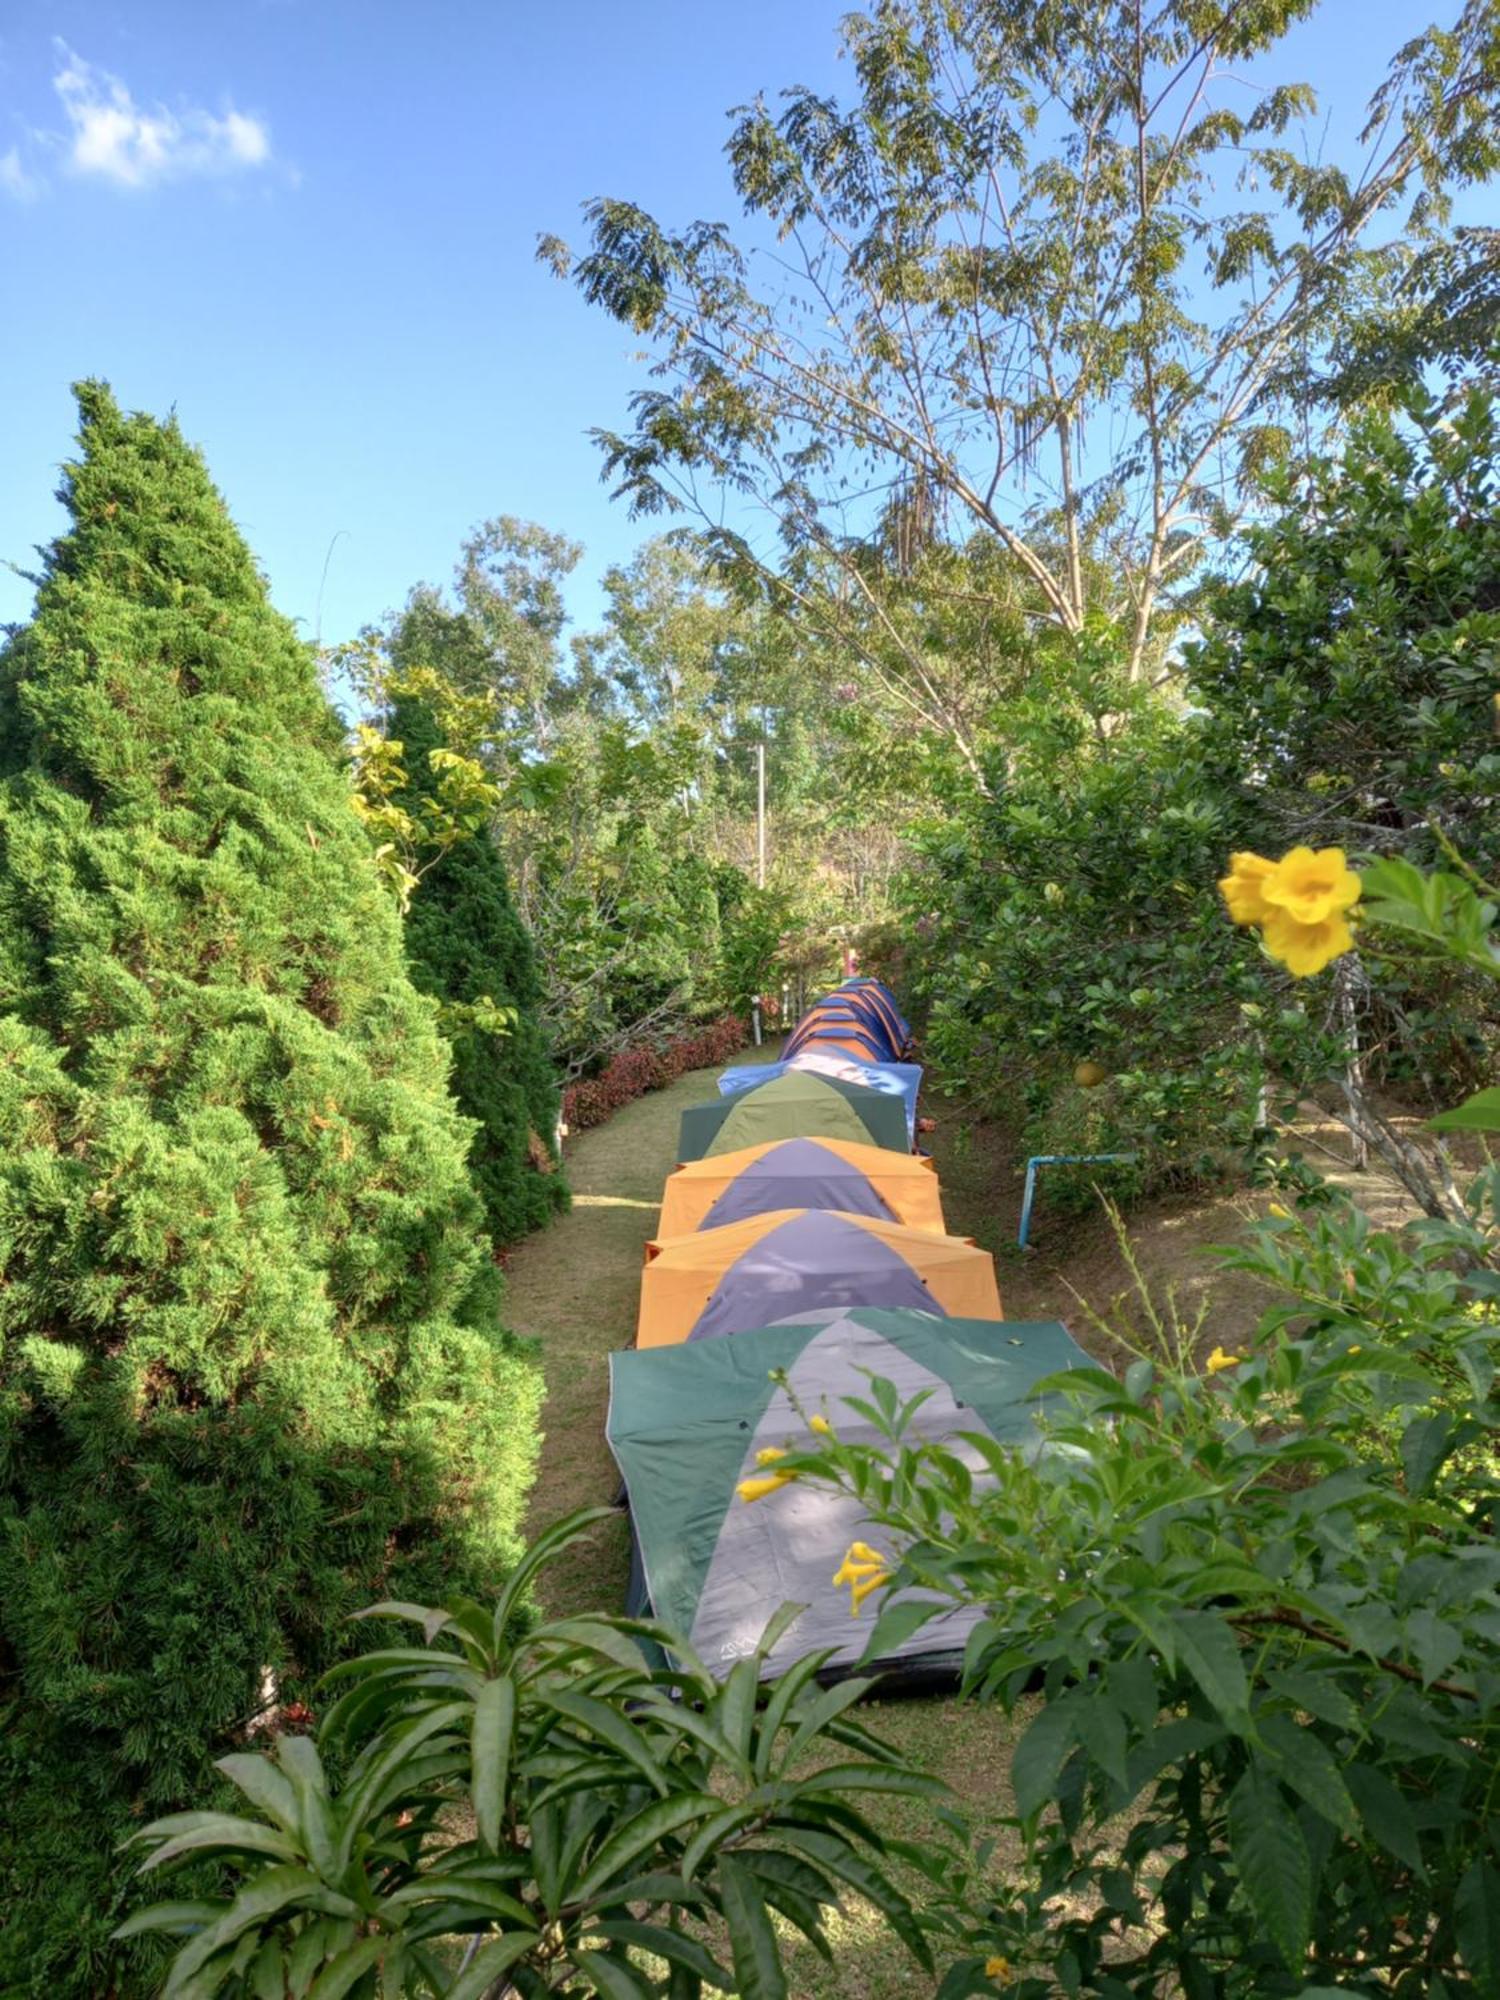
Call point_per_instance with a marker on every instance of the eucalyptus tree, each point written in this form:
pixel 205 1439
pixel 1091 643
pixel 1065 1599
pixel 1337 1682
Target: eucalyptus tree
pixel 1053 274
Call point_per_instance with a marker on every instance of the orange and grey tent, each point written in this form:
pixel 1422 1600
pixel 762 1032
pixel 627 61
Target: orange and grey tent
pixel 802 1173
pixel 822 1031
pixel 861 1017
pixel 794 1261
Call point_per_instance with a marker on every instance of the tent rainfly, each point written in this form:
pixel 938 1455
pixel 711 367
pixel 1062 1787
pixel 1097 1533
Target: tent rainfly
pixel 903 1080
pixel 685 1424
pixel 794 1261
pixel 877 999
pixel 797 1105
pixel 802 1173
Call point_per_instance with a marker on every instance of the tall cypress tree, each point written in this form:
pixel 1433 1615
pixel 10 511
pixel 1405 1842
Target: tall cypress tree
pixel 251 1371
pixel 466 942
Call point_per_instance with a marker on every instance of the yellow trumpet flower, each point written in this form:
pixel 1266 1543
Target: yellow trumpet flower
pixel 864 1569
pixel 756 1489
pixel 1299 903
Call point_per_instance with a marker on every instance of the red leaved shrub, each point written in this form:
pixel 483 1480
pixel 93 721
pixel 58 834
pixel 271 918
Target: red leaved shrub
pixel 635 1071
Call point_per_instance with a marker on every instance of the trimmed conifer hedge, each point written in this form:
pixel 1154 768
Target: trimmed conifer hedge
pixel 251 1370
pixel 465 941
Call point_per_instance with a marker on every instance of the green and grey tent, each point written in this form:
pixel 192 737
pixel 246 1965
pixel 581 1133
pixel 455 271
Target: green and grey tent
pixel 798 1104
pixel 685 1424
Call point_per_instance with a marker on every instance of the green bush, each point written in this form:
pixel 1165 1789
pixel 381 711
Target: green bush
pixel 466 945
pixel 1261 1590
pixel 250 1364
pixel 1350 681
pixel 1062 923
pixel 626 1828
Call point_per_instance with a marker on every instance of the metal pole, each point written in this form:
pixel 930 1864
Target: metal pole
pixel 760 848
pixel 760 814
pixel 1028 1196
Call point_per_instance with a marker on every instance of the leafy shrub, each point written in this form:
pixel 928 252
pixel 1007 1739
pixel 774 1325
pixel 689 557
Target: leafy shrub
pixel 1269 1645
pixel 1262 1593
pixel 628 1822
pixel 467 946
pixel 1062 923
pixel 250 1366
pixel 636 1071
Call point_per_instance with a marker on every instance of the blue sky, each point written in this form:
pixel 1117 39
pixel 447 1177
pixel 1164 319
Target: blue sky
pixel 310 225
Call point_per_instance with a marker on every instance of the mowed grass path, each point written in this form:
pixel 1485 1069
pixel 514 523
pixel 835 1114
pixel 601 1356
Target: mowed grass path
pixel 576 1288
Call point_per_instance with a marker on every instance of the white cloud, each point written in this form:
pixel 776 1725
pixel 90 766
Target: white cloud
pixel 15 181
pixel 111 137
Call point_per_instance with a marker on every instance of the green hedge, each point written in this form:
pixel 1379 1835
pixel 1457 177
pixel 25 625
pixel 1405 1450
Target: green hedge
pixel 465 942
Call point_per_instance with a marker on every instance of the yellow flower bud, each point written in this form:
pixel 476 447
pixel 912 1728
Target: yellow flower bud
pixel 756 1489
pixel 821 1425
pixel 769 1455
pixel 1218 1361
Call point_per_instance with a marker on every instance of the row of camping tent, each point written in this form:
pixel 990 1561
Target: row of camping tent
pixel 801 1252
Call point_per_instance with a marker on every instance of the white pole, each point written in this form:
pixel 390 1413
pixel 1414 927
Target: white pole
pixel 760 847
pixel 760 814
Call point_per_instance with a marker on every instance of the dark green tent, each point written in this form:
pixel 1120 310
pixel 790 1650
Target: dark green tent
pixel 685 1425
pixel 798 1104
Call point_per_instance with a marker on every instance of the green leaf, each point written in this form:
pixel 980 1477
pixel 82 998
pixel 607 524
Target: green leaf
pixel 1306 1766
pixel 486 1966
pixel 1386 1816
pixel 1038 1757
pixel 591 1635
pixel 1425 1445
pixel 736 1705
pixel 757 1962
pixel 714 1831
pixel 490 1748
pixel 349 1968
pixel 811 1718
pixel 258 1778
pixel 184 1918
pixel 1433 1643
pixel 872 1778
pixel 1208 1648
pixel 898 1619
pixel 198 1831
pixel 1479 1113
pixel 786 1691
pixel 1274 1866
pixel 1101 1730
pixel 1476 1923
pixel 600 1720
pixel 1318 1693
pixel 614 1978
pixel 561 1535
pixel 663 1942
pixel 865 1879
pixel 265 1896
pixel 663 1817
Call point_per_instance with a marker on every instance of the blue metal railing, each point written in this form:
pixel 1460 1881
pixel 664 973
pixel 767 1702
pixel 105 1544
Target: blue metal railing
pixel 1054 1160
